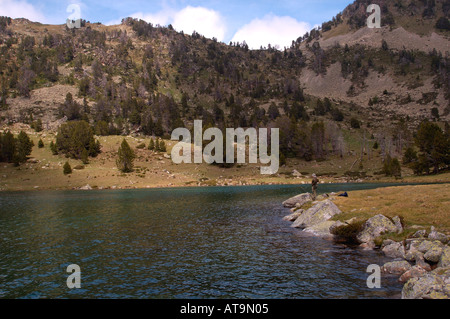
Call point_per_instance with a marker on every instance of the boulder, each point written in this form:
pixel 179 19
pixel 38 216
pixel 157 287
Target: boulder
pixel 394 250
pixel 292 217
pixel 396 267
pixel 319 213
pixel 86 188
pixel 430 286
pixel 420 262
pixel 321 230
pixel 425 246
pixel 434 235
pixel 374 227
pixel 414 272
pixel 299 199
pixel 434 254
pixel 444 260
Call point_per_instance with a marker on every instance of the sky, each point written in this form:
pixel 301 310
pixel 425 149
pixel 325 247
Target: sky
pixel 257 22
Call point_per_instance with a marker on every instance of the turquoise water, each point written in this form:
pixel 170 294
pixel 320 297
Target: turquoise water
pixel 228 242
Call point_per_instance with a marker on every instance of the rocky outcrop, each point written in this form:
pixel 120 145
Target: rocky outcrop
pixel 298 200
pixel 317 214
pixel 316 219
pixel 434 235
pixel 433 285
pixel 422 261
pixel 374 227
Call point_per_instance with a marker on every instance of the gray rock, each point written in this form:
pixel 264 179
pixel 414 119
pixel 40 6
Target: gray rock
pixel 394 250
pixel 321 230
pixel 374 227
pixel 414 272
pixel 420 262
pixel 434 235
pixel 319 213
pixel 420 234
pixel 434 254
pixel 444 261
pixel 292 217
pixel 396 267
pixel 430 286
pixel 413 255
pixel 299 199
pixel 425 246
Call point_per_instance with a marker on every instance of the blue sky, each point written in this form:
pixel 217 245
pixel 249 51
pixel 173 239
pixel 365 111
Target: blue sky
pixel 256 22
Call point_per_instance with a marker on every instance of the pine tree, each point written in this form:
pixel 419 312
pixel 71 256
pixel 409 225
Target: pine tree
pixel 85 156
pixel 24 145
pixel 162 146
pixel 151 145
pixel 157 145
pixel 40 143
pixel 125 157
pixel 53 148
pixel 67 169
pixel 8 147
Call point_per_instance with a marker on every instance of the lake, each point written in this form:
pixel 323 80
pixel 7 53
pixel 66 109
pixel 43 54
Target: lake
pixel 212 242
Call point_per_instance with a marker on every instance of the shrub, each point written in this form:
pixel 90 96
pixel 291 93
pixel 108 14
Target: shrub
pixel 354 123
pixel 151 145
pixel 67 169
pixel 349 232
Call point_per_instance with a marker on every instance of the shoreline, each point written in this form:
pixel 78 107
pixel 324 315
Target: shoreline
pixel 247 184
pixel 419 252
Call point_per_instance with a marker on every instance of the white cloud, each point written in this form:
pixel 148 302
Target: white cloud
pixel 163 18
pixel 21 9
pixel 205 21
pixel 274 30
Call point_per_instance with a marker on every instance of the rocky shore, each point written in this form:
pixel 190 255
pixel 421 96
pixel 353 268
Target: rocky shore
pixel 422 260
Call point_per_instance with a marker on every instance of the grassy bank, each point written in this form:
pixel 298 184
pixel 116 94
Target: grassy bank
pixel 424 205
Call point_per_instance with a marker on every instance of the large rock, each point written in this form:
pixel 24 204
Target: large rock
pixel 319 213
pixel 396 267
pixel 444 261
pixel 434 254
pixel 299 199
pixel 374 227
pixel 434 235
pixel 394 250
pixel 431 286
pixel 322 229
pixel 414 272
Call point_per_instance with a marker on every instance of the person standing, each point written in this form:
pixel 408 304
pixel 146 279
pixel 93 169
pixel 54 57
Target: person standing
pixel 314 183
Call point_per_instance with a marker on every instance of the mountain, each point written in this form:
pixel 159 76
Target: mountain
pixel 144 79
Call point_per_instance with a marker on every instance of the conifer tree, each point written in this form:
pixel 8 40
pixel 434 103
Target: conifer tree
pixel 125 158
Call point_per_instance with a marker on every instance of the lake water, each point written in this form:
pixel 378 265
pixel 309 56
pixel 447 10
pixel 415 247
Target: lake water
pixel 228 242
